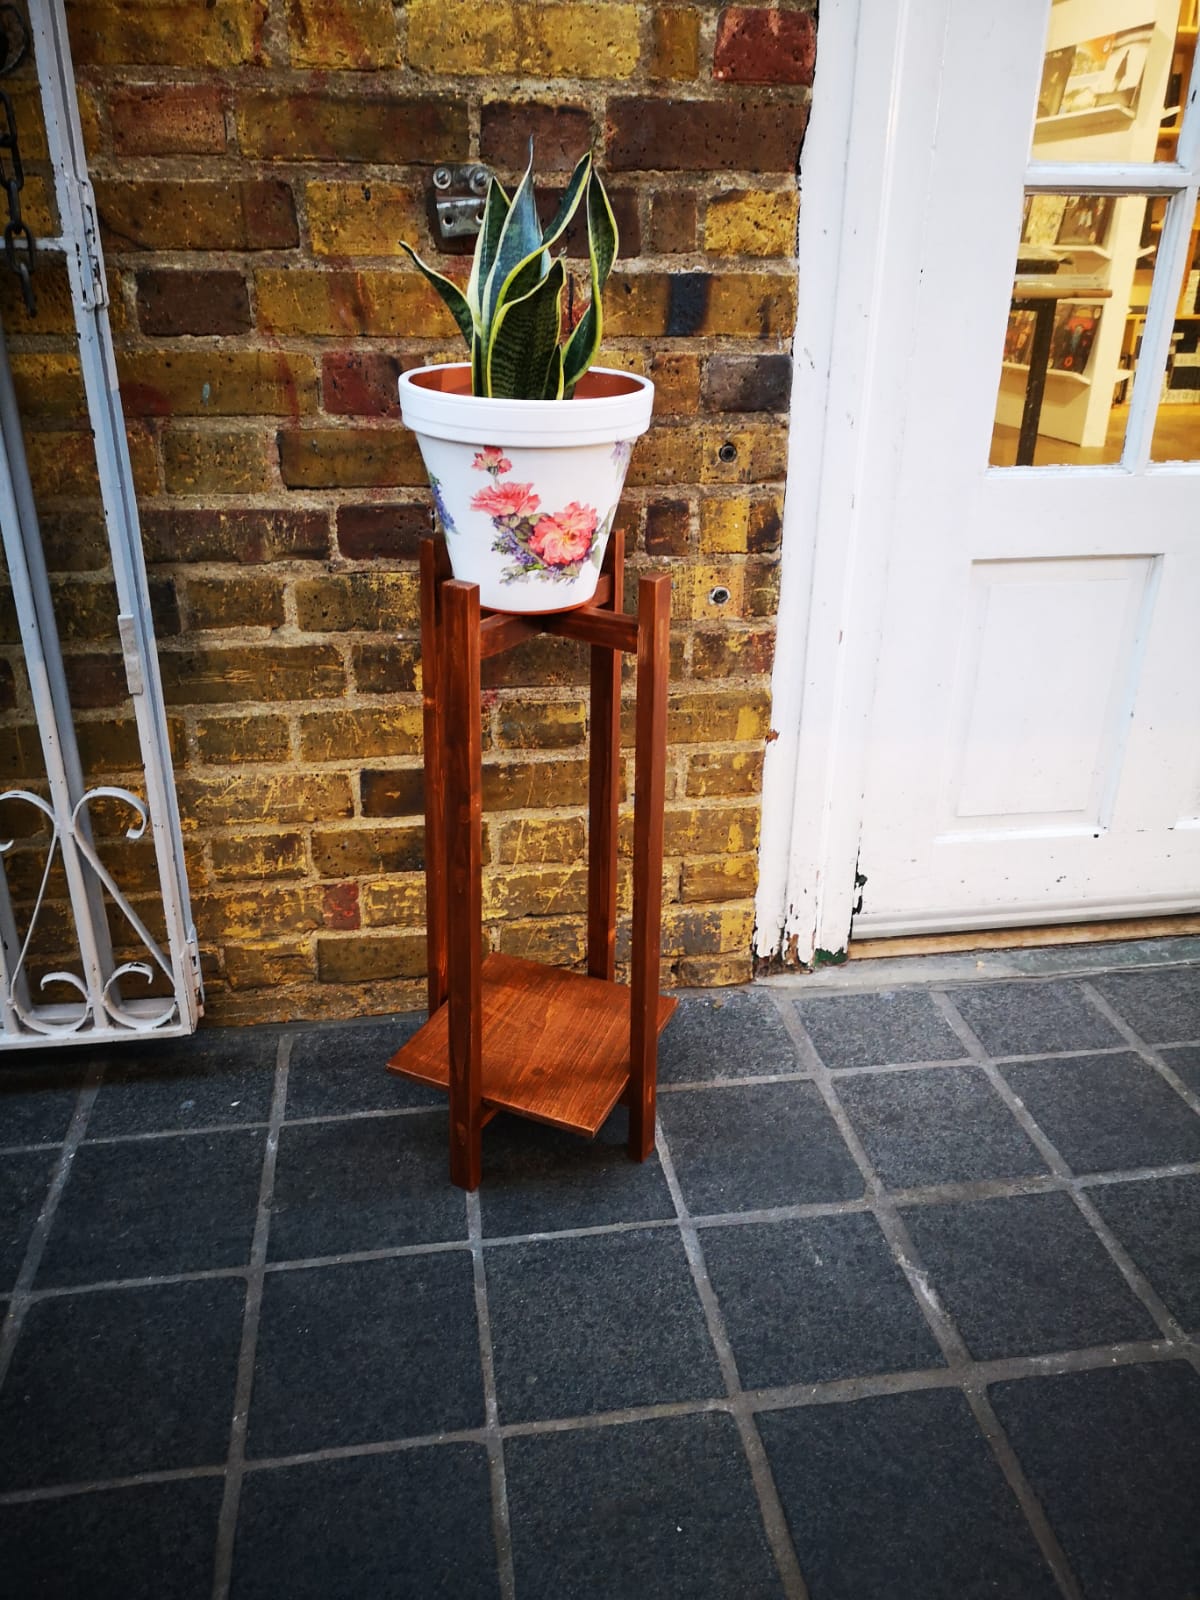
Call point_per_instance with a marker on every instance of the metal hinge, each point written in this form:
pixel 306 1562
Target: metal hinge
pixel 133 659
pixel 91 263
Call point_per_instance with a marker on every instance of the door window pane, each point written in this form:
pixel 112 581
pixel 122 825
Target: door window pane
pixel 1177 424
pixel 1114 77
pixel 1080 288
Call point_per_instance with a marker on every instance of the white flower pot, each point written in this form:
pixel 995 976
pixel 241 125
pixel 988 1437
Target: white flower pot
pixel 526 490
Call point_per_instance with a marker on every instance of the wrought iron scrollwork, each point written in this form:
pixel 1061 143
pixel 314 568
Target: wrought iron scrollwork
pixel 108 994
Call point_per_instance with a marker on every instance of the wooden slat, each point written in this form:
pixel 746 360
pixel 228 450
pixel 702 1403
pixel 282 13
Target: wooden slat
pixel 502 630
pixel 555 1044
pixel 435 831
pixel 654 644
pixel 462 752
pixel 604 788
pixel 613 631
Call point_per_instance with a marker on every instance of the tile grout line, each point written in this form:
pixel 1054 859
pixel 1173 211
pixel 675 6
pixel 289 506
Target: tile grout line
pixel 774 1518
pixel 1148 1053
pixel 235 1464
pixel 838 1391
pixel 19 1300
pixel 949 1339
pixel 501 1527
pixel 1137 1281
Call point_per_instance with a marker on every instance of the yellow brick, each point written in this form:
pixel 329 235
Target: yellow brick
pixel 352 35
pixel 538 892
pixel 724 525
pixel 751 223
pixel 207 462
pixel 676 43
pixel 396 902
pixel 334 304
pixel 708 594
pixel 561 944
pixel 533 840
pixel 544 725
pixel 729 773
pixel 242 916
pixel 49 383
pixel 489 37
pixel 370 600
pixel 268 966
pixel 239 797
pixel 351 735
pixel 223 741
pixel 363 219
pixel 217 383
pixel 224 33
pixel 64 464
pixel 266 855
pixel 732 878
pixel 715 972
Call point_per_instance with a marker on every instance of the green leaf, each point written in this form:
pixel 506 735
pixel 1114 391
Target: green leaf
pixel 495 210
pixel 525 340
pixel 603 241
pixel 569 203
pixel 520 241
pixel 552 389
pixel 527 274
pixel 478 377
pixel 460 310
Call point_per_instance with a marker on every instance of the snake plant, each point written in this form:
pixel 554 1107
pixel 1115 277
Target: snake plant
pixel 511 312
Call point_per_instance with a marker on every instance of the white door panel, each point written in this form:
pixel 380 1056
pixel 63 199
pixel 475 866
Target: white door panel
pixel 1034 744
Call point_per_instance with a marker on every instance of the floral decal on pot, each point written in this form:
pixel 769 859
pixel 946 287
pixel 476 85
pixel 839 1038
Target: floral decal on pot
pixel 445 520
pixel 548 544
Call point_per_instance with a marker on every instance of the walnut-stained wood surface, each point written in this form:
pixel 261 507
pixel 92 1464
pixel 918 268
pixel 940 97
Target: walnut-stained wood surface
pixel 555 1044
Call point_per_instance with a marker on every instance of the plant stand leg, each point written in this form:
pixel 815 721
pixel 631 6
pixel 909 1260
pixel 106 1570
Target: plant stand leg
pixel 604 787
pixel 653 659
pixel 435 798
pixel 461 757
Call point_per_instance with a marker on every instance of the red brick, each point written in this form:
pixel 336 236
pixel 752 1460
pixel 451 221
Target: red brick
pixel 382 532
pixel 560 133
pixel 165 119
pixel 340 906
pixel 179 214
pixel 668 528
pixel 178 302
pixel 248 537
pixel 673 223
pixel 765 46
pixel 355 127
pixel 649 135
pixel 360 383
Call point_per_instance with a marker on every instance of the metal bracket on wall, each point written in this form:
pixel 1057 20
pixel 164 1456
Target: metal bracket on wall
pixel 456 203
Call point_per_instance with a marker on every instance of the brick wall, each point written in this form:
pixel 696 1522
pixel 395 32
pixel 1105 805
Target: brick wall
pixel 255 165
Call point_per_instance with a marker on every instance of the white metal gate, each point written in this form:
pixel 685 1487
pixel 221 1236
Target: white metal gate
pixel 105 1007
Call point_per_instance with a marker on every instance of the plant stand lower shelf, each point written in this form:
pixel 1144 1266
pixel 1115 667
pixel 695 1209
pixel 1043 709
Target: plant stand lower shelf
pixel 505 1033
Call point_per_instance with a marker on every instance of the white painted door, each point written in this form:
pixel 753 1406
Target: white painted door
pixel 1032 751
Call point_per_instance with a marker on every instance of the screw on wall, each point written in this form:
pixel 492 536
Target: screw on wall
pixel 718 596
pixel 456 204
pixel 728 451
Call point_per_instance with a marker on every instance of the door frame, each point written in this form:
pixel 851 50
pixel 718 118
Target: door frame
pixel 865 177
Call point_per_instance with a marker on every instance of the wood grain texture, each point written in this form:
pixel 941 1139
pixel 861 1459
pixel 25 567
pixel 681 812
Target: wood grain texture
pixel 435 800
pixel 555 1044
pixel 459 641
pixel 650 756
pixel 604 788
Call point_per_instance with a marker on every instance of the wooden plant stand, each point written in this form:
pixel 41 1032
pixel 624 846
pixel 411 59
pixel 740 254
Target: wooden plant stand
pixel 512 1035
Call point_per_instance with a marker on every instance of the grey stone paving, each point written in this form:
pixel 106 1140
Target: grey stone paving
pixel 906 1306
